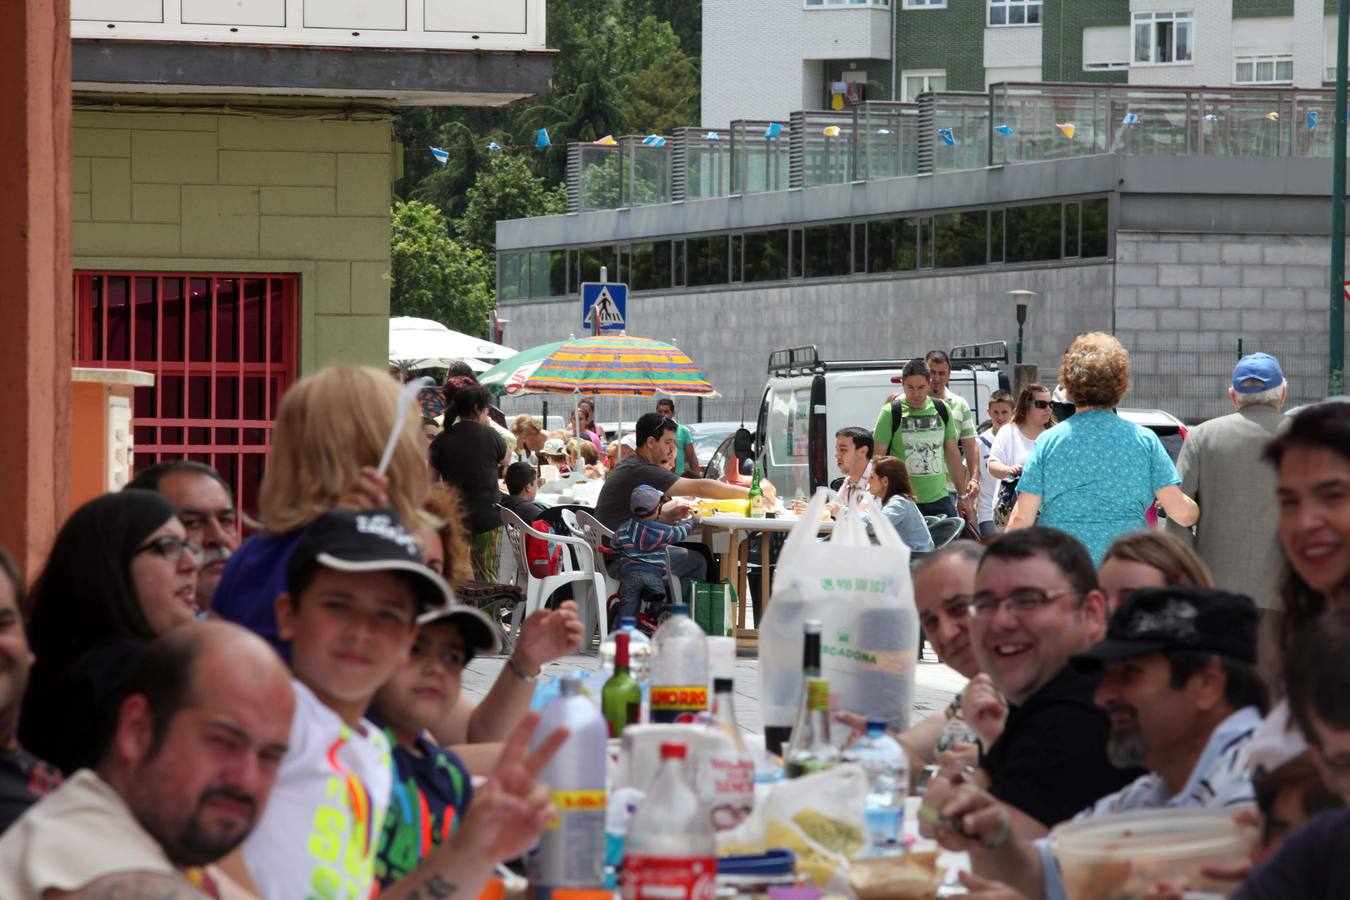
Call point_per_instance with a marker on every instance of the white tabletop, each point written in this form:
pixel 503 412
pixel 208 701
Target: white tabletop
pixel 783 522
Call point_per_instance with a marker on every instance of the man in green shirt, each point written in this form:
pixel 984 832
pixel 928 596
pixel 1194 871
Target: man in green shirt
pixel 686 459
pixel 939 373
pixel 925 440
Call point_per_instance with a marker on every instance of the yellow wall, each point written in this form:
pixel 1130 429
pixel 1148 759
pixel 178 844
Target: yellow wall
pixel 296 191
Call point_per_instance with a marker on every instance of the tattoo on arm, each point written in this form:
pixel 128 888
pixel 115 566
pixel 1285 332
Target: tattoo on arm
pixel 434 888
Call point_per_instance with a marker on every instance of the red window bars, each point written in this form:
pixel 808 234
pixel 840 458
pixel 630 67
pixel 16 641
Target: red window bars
pixel 222 349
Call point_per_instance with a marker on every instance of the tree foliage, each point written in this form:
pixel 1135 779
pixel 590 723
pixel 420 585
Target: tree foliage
pixel 433 276
pixel 505 189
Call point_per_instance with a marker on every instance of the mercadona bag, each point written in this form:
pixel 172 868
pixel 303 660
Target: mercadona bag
pixel 863 596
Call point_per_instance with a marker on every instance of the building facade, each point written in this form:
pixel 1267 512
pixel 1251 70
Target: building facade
pixel 764 58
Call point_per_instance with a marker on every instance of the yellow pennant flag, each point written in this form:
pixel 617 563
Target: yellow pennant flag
pixel 1067 128
pixel 1273 116
pixel 831 131
pixel 607 140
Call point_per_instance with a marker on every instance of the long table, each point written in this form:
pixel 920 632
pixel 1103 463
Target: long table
pixel 735 560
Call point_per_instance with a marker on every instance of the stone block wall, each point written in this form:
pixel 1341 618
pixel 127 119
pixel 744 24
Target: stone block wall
pixel 295 191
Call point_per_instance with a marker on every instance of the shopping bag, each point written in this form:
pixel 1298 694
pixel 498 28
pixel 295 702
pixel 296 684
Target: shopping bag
pixel 711 606
pixel 862 594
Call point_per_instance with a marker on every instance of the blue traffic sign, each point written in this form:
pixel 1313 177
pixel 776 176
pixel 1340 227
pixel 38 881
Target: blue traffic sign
pixel 610 299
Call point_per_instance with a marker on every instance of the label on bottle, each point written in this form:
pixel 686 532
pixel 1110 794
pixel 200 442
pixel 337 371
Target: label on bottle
pixel 758 505
pixel 677 703
pixel 668 878
pixel 726 784
pixel 817 694
pixel 566 801
pixel 571 851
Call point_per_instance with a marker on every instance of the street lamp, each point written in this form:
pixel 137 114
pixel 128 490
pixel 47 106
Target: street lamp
pixel 1023 300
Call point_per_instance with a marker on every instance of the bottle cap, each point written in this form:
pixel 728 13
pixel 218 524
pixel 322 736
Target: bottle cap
pixel 672 750
pixel 627 621
pixel 876 725
pixel 813 626
pixel 722 685
pixel 679 609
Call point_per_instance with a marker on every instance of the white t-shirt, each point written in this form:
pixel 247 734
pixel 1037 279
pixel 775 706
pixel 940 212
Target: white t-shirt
pixel 984 507
pixel 79 833
pixel 1011 446
pixel 321 830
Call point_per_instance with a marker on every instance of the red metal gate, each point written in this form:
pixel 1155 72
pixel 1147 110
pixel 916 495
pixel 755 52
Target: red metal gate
pixel 222 349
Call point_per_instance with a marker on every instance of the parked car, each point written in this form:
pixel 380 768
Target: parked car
pixel 708 436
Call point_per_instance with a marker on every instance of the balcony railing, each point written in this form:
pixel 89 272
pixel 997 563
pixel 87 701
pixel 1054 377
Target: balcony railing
pixel 947 131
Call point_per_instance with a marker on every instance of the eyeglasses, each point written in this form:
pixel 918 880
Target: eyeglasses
pixel 1041 404
pixel 171 548
pixel 1023 600
pixel 666 425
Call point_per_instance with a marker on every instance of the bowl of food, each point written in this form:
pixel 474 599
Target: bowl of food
pixel 1123 855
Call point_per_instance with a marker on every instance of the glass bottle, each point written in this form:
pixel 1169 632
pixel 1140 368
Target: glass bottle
pixel 758 505
pixel 810 749
pixel 621 697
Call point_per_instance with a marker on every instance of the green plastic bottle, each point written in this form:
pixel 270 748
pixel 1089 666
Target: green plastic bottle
pixel 621 697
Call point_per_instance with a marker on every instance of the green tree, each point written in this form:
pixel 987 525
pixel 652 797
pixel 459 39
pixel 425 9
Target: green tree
pixel 433 276
pixel 505 189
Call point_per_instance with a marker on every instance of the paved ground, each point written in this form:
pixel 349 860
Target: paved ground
pixel 934 687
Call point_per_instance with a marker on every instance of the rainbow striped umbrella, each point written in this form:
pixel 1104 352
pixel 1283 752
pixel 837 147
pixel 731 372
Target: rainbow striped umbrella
pixel 618 365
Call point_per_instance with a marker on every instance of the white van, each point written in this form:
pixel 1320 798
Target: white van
pixel 807 400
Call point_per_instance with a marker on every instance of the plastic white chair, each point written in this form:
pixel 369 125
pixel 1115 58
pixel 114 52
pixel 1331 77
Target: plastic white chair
pixel 589 528
pixel 538 590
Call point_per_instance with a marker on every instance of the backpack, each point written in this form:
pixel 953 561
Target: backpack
pixel 543 557
pixel 896 413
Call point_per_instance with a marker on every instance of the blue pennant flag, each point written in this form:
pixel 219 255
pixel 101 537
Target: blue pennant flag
pixel 442 156
pixel 1130 119
pixel 713 136
pixel 1313 116
pixel 541 139
pixel 494 146
pixel 947 136
pixel 653 140
pixel 1005 130
pixel 774 130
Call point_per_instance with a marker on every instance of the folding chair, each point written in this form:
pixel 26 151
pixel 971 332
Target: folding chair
pixel 538 590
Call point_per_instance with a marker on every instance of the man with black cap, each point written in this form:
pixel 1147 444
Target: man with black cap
pixel 655 436
pixel 1181 688
pixel 356 593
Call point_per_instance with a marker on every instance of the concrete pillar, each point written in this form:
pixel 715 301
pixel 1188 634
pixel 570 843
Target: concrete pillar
pixel 35 276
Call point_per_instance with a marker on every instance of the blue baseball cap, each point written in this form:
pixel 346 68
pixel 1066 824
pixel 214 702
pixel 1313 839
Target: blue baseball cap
pixel 1258 367
pixel 644 500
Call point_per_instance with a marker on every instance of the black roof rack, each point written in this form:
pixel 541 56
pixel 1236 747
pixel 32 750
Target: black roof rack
pixel 806 360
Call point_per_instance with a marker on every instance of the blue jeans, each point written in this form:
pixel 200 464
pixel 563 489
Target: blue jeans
pixel 634 575
pixel 944 507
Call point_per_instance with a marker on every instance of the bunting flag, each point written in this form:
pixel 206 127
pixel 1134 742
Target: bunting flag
pixel 541 138
pixel 653 140
pixel 1313 117
pixel 831 131
pixel 1005 130
pixel 774 130
pixel 1210 117
pixel 442 156
pixel 883 131
pixel 494 146
pixel 1067 129
pixel 947 136
pixel 1130 119
pixel 1273 116
pixel 713 136
pixel 606 141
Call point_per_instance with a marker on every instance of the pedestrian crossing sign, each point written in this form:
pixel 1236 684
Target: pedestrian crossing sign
pixel 609 299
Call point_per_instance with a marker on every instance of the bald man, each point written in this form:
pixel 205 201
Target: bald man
pixel 187 773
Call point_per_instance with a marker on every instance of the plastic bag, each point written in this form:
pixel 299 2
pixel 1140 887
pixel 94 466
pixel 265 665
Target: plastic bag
pixel 863 595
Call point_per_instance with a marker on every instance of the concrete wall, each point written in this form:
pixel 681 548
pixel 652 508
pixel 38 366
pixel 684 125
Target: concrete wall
pixel 298 191
pixel 731 332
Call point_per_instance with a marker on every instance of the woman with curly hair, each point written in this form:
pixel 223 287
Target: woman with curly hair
pixel 1095 475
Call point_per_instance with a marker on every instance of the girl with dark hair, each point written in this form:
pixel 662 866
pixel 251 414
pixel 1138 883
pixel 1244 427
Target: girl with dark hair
pixel 467 455
pixel 1312 457
pixel 1012 446
pixel 889 483
pixel 120 573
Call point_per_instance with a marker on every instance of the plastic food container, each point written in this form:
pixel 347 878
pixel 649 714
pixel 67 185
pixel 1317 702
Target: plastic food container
pixel 1123 855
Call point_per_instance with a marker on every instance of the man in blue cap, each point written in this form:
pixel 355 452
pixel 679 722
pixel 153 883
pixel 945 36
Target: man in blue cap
pixel 1220 466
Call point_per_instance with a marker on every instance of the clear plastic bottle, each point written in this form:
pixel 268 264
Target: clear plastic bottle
pixel 887 768
pixel 670 852
pixel 639 651
pixel 679 670
pixel 571 854
pixel 724 770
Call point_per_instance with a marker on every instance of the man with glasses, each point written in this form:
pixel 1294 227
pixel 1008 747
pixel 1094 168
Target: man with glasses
pixel 655 435
pixel 1184 698
pixel 206 509
pixel 1036 604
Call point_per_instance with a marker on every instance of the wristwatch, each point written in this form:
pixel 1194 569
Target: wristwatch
pixel 519 672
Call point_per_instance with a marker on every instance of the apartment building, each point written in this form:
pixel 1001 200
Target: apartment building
pixel 765 58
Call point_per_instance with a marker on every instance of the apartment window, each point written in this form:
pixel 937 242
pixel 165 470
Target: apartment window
pixel 1014 12
pixel 819 4
pixel 925 4
pixel 1106 48
pixel 919 81
pixel 1163 38
pixel 828 252
pixel 1264 68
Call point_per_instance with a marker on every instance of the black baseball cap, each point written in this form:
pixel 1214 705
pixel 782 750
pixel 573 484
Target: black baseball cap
pixel 368 540
pixel 1179 617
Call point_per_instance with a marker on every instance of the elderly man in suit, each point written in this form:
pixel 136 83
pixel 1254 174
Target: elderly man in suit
pixel 1221 467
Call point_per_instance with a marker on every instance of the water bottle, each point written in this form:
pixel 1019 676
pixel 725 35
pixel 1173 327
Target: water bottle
pixel 670 852
pixel 639 650
pixel 571 853
pixel 679 670
pixel 887 768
